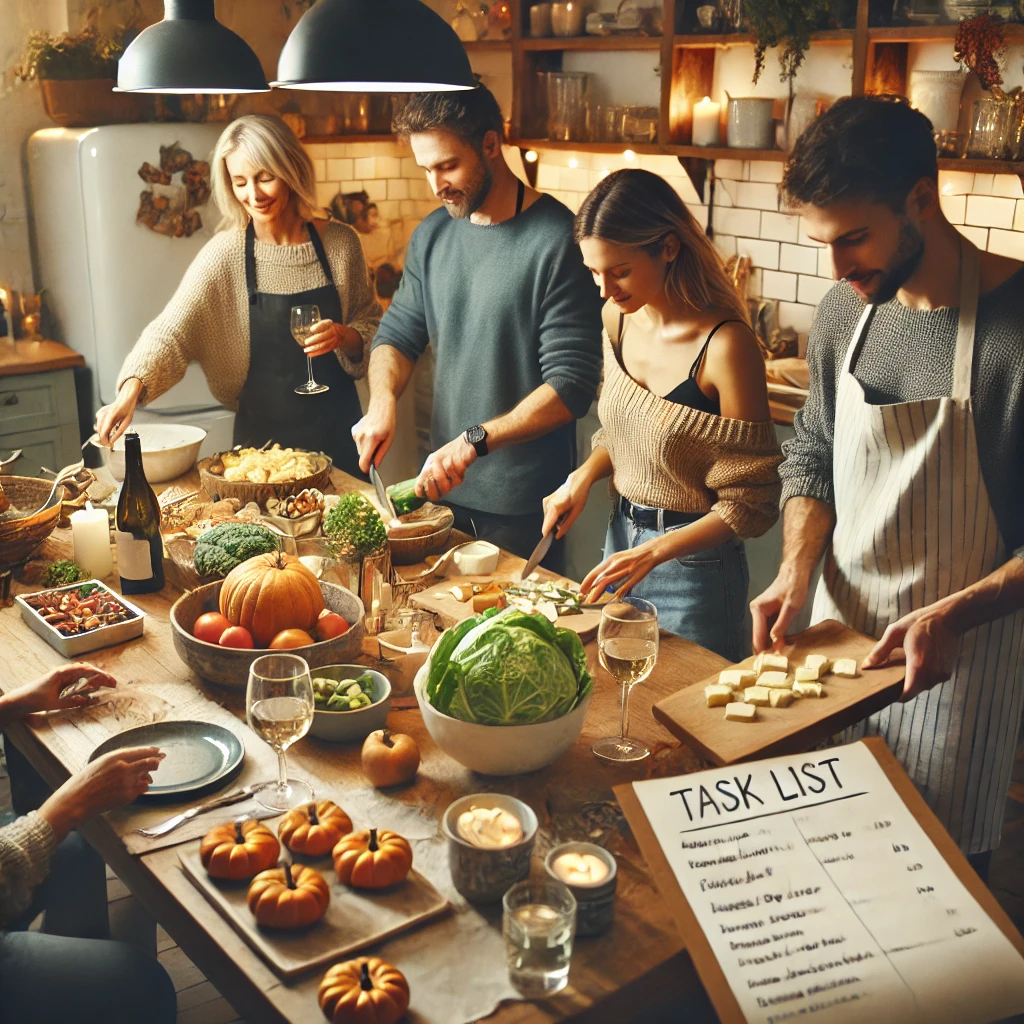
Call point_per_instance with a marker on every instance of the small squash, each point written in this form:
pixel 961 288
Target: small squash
pixel 364 991
pixel 390 758
pixel 238 851
pixel 372 859
pixel 268 594
pixel 313 829
pixel 291 896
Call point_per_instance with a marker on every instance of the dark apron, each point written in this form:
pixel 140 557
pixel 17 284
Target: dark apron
pixel 268 408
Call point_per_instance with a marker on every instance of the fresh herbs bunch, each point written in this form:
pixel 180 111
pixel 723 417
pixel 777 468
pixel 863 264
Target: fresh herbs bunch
pixel 787 24
pixel 354 528
pixel 71 55
pixel 63 572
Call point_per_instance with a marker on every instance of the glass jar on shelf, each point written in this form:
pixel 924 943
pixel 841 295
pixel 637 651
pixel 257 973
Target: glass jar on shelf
pixel 992 128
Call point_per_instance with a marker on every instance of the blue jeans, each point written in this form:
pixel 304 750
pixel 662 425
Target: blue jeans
pixel 701 597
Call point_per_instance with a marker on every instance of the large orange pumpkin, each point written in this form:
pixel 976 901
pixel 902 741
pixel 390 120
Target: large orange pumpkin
pixel 364 991
pixel 372 859
pixel 238 851
pixel 270 593
pixel 313 829
pixel 292 896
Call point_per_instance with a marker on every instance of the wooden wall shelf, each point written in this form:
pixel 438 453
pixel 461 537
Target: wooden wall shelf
pixel 727 39
pixel 593 43
pixel 488 46
pixel 930 33
pixel 982 166
pixel 318 139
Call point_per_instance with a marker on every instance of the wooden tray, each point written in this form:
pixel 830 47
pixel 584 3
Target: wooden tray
pixel 786 730
pixel 355 919
pixel 438 600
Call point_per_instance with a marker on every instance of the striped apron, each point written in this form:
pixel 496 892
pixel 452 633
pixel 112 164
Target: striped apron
pixel 913 525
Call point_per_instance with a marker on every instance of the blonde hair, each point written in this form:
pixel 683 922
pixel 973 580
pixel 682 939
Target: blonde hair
pixel 638 209
pixel 272 146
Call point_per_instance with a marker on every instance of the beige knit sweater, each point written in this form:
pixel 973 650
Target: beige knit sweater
pixel 207 319
pixel 671 456
pixel 26 846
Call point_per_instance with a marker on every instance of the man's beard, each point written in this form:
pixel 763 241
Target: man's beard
pixel 466 202
pixel 904 263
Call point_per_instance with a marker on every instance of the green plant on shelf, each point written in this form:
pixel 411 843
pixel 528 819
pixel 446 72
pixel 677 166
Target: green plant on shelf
pixel 70 56
pixel 788 24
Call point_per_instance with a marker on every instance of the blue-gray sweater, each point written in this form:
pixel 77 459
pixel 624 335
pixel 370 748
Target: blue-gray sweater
pixel 507 307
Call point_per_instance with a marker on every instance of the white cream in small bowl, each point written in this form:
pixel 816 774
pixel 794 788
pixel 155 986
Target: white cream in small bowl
pixel 478 558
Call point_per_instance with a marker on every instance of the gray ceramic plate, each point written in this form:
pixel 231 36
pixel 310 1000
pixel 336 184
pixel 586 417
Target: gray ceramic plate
pixel 199 755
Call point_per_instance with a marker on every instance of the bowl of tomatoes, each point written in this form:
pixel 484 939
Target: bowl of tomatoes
pixel 221 651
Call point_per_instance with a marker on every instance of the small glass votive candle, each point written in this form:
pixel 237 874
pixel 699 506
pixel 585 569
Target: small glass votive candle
pixel 539 925
pixel 540 20
pixel 567 19
pixel 591 874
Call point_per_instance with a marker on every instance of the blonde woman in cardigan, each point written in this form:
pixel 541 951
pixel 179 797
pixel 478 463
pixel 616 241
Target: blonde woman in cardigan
pixel 686 435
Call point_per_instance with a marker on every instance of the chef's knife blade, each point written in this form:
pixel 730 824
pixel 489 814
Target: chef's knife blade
pixel 538 554
pixel 382 494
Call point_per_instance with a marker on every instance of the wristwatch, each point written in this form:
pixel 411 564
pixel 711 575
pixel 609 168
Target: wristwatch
pixel 477 437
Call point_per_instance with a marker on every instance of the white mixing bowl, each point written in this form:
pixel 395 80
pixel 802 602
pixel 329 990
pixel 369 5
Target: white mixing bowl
pixel 168 450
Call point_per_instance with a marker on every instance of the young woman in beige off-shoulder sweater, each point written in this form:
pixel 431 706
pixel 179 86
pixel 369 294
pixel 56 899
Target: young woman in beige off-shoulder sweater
pixel 686 434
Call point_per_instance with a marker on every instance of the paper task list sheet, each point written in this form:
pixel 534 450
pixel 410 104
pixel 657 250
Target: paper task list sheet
pixel 823 898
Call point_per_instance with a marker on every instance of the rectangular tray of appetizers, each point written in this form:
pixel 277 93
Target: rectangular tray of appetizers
pixel 785 703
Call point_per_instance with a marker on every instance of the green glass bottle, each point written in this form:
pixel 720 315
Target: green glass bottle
pixel 140 556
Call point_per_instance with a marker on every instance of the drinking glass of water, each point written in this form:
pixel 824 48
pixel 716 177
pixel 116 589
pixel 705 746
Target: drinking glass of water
pixel 539 925
pixel 627 642
pixel 303 319
pixel 279 709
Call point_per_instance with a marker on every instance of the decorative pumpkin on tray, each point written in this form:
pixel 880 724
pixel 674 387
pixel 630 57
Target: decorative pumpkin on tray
pixel 238 851
pixel 313 829
pixel 372 859
pixel 291 896
pixel 268 594
pixel 364 991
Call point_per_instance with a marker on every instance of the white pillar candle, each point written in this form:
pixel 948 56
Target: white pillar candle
pixel 90 529
pixel 706 123
pixel 580 868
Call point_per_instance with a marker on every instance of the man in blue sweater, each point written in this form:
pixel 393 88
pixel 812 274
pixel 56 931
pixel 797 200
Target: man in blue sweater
pixel 495 283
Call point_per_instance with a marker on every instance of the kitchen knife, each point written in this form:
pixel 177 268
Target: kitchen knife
pixel 538 554
pixel 382 494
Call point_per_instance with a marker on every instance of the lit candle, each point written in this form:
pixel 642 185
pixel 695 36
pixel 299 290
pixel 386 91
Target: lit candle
pixel 490 828
pixel 706 123
pixel 580 868
pixel 90 529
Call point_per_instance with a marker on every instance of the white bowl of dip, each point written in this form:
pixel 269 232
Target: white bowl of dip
pixel 477 558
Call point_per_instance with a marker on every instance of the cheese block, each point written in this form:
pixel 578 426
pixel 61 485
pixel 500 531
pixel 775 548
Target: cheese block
pixel 822 662
pixel 780 698
pixel 737 678
pixel 716 696
pixel 775 680
pixel 757 695
pixel 845 667
pixel 807 689
pixel 807 673
pixel 766 660
pixel 739 712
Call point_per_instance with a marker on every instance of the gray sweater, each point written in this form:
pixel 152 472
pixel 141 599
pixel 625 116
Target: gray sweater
pixel 507 307
pixel 908 356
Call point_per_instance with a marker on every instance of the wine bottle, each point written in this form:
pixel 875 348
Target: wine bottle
pixel 140 556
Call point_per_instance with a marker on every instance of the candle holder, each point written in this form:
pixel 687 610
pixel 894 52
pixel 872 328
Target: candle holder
pixel 595 904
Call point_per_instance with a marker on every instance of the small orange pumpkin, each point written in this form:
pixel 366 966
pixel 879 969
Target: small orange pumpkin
pixel 372 859
pixel 238 851
pixel 270 593
pixel 291 896
pixel 314 828
pixel 364 991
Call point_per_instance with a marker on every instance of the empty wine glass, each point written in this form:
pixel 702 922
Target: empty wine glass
pixel 279 709
pixel 627 642
pixel 303 319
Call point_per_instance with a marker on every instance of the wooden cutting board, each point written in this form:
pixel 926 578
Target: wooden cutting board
pixel 438 600
pixel 805 722
pixel 354 920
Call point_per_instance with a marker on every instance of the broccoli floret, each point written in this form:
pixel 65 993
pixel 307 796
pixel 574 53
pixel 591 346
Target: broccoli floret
pixel 63 572
pixel 220 549
pixel 354 527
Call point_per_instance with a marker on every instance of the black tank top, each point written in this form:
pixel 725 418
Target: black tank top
pixel 688 392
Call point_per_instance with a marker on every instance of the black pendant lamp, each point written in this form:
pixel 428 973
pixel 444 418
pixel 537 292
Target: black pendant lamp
pixel 390 46
pixel 190 51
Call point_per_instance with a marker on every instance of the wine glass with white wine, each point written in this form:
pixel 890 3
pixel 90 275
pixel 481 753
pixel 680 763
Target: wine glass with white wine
pixel 279 709
pixel 303 319
pixel 627 642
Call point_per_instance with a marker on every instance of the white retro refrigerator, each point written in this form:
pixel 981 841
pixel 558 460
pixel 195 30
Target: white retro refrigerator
pixel 106 274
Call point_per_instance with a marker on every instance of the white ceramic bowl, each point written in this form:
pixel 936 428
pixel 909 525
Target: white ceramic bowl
pixel 500 749
pixel 168 450
pixel 351 726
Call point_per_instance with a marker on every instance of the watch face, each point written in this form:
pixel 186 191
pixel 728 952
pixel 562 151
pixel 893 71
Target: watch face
pixel 475 435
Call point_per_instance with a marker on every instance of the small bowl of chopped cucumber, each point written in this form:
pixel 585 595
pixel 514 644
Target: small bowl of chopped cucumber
pixel 349 702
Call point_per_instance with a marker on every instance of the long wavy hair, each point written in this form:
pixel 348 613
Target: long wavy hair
pixel 638 210
pixel 272 146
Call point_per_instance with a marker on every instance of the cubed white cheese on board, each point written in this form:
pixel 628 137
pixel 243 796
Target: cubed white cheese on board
pixel 822 662
pixel 738 712
pixel 775 680
pixel 737 678
pixel 780 698
pixel 757 695
pixel 807 689
pixel 808 673
pixel 766 660
pixel 845 667
pixel 716 695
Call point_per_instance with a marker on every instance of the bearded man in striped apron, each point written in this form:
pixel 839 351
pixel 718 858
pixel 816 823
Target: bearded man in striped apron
pixel 907 469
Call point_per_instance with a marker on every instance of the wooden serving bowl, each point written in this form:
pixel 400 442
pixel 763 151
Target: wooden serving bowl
pixel 20 536
pixel 229 666
pixel 259 493
pixel 410 550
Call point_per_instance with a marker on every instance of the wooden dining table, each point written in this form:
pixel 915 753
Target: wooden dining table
pixel 637 965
